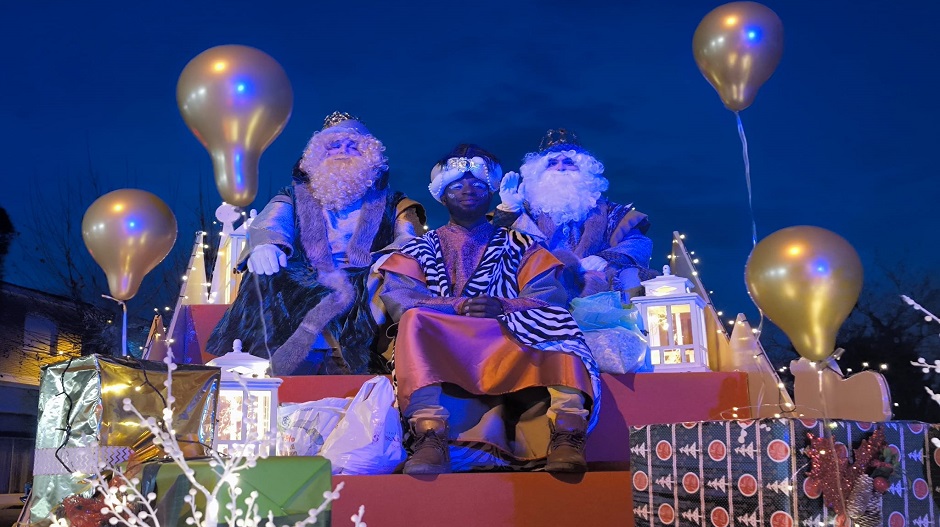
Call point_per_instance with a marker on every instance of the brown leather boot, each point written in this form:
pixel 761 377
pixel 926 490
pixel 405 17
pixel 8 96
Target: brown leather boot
pixel 430 454
pixel 566 447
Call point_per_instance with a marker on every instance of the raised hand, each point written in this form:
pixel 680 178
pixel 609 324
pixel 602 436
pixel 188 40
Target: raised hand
pixel 510 193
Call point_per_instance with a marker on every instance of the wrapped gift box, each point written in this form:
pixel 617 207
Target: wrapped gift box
pixel 288 487
pixel 753 473
pixel 82 418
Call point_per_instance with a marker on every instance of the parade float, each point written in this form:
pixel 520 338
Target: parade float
pixel 709 436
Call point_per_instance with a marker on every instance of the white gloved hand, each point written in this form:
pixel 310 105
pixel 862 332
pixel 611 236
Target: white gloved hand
pixel 593 263
pixel 510 193
pixel 266 259
pixel 378 263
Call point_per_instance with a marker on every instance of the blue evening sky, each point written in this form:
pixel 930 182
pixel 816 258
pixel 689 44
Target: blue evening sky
pixel 840 137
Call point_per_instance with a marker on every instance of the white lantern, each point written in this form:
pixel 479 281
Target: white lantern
pixel 675 320
pixel 247 412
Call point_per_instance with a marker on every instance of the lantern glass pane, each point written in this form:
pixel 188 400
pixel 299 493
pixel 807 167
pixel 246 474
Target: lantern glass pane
pixel 655 357
pixel 682 324
pixel 229 426
pixel 672 356
pixel 259 414
pixel 690 356
pixel 658 321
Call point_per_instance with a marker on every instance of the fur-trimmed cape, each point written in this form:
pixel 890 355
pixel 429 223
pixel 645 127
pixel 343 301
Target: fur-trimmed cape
pixel 281 316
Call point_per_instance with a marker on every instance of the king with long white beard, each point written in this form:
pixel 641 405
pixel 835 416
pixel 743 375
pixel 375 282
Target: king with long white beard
pixel 308 302
pixel 559 200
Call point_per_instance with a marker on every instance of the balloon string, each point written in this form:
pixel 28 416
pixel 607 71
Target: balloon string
pixel 747 177
pixel 264 325
pixel 750 205
pixel 123 325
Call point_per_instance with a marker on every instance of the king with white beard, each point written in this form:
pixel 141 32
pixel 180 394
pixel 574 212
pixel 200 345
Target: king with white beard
pixel 309 300
pixel 559 199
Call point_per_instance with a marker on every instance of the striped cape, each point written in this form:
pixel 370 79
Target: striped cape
pixel 548 328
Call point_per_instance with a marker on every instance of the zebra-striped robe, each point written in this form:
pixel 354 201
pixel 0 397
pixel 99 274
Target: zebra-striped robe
pixel 493 371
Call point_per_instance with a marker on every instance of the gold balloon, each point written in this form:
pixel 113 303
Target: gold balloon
pixel 236 100
pixel 806 280
pixel 737 47
pixel 128 232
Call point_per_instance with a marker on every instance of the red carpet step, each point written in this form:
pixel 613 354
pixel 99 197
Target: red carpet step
pixel 598 499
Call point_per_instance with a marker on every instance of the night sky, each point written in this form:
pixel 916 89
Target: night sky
pixel 840 137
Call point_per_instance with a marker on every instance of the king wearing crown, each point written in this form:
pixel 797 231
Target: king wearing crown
pixel 309 299
pixel 559 200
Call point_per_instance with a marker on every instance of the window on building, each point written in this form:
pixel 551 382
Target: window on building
pixel 39 334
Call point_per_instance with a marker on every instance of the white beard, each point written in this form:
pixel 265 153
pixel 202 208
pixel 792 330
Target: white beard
pixel 564 196
pixel 338 183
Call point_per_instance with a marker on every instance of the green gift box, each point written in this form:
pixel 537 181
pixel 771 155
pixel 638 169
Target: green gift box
pixel 287 486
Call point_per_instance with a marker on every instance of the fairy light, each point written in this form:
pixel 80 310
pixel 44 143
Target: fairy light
pixel 883 367
pixel 864 364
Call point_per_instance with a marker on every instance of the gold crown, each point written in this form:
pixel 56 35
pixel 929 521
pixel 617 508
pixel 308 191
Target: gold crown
pixel 557 137
pixel 338 117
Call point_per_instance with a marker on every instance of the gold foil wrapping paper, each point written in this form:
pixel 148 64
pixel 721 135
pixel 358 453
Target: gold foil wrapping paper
pixel 82 418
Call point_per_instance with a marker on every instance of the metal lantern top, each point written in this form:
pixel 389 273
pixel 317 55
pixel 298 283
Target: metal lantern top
pixel 237 361
pixel 667 284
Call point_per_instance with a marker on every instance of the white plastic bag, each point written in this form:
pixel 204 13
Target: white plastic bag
pixel 303 427
pixel 367 439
